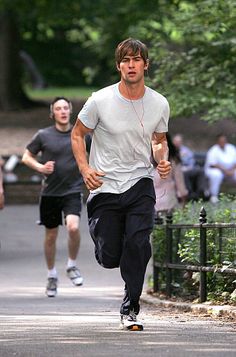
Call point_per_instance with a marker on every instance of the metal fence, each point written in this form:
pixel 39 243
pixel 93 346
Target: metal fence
pixel 172 261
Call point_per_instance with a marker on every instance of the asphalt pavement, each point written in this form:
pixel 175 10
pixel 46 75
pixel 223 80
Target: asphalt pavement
pixel 84 321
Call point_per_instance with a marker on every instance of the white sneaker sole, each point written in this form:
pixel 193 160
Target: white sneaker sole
pixel 51 294
pixel 76 281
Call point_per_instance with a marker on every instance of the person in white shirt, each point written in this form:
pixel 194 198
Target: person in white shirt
pixel 127 120
pixel 220 164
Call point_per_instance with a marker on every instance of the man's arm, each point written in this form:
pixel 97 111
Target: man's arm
pixel 160 153
pixel 91 177
pixel 31 161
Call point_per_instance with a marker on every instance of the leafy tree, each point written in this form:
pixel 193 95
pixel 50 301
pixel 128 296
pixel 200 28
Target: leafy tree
pixel 103 25
pixel 22 20
pixel 195 58
pixel 192 47
pixel 11 94
pixel 70 41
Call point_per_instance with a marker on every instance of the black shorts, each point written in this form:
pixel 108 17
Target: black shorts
pixel 51 208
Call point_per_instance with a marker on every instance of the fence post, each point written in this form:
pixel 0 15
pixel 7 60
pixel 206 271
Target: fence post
pixel 156 270
pixel 203 255
pixel 169 235
pixel 155 279
pixel 220 245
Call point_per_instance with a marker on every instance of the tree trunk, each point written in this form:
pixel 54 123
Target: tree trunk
pixel 12 96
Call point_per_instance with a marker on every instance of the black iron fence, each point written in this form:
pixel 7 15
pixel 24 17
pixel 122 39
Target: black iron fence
pixel 172 261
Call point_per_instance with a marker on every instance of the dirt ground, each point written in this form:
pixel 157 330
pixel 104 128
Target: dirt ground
pixel 17 128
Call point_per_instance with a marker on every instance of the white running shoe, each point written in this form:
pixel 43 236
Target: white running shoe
pixel 75 276
pixel 214 199
pixel 130 322
pixel 51 288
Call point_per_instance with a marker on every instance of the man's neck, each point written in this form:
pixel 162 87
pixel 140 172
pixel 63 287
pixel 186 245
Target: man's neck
pixel 132 90
pixel 63 128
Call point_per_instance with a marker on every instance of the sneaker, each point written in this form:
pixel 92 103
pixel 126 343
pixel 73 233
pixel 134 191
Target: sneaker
pixel 214 199
pixel 130 322
pixel 51 288
pixel 75 276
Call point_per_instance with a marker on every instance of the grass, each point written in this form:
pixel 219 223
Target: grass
pixel 68 92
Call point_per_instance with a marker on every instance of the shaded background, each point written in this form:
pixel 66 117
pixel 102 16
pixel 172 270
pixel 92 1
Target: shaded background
pixel 47 45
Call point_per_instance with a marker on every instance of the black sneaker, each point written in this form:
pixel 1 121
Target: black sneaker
pixel 75 276
pixel 130 322
pixel 51 288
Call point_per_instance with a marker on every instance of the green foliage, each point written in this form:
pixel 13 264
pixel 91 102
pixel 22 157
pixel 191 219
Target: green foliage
pixel 195 59
pixel 221 246
pixel 188 249
pixel 223 212
pixel 159 243
pixel 52 92
pixel 78 36
pixel 192 46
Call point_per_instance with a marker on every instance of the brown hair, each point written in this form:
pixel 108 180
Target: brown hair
pixel 133 47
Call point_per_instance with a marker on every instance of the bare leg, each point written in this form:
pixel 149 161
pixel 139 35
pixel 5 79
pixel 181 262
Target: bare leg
pixel 72 224
pixel 50 246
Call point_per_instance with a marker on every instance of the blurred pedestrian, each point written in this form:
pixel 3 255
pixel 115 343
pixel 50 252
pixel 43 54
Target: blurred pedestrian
pixel 9 167
pixel 194 176
pixel 61 190
pixel 124 118
pixel 1 185
pixel 172 192
pixel 220 165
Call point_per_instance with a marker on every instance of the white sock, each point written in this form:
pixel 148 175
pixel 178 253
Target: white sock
pixel 52 273
pixel 71 263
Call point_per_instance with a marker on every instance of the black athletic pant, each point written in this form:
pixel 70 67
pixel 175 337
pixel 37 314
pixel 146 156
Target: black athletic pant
pixel 120 226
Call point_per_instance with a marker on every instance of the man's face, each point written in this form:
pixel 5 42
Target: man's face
pixel 222 140
pixel 61 112
pixel 177 141
pixel 132 68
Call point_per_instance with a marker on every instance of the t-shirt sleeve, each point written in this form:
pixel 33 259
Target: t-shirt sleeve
pixel 89 113
pixel 162 126
pixel 34 145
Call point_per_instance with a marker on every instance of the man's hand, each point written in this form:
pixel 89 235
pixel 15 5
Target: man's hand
pixel 229 173
pixel 92 178
pixel 47 168
pixel 164 168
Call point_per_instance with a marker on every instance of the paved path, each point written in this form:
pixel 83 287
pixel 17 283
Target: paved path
pixel 83 321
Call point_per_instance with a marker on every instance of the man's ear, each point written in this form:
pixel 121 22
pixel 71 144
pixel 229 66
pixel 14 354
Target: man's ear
pixel 146 64
pixel 118 67
pixel 51 114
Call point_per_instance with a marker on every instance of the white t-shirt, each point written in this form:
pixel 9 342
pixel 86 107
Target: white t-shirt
pixel 226 158
pixel 121 143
